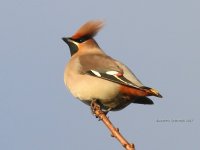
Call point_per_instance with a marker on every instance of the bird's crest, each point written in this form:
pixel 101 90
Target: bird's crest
pixel 89 29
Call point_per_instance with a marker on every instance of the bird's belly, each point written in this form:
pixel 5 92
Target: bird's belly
pixel 90 88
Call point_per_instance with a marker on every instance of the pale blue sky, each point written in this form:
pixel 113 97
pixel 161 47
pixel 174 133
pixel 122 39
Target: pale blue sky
pixel 159 40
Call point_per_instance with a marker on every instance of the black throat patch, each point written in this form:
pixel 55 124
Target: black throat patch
pixel 73 48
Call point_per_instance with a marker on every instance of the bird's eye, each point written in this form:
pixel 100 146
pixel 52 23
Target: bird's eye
pixel 83 39
pixel 80 40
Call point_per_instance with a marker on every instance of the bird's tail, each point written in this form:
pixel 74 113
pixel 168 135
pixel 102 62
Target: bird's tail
pixel 143 100
pixel 140 91
pixel 152 91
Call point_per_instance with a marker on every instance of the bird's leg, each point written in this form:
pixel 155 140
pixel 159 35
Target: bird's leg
pixel 95 103
pixel 94 106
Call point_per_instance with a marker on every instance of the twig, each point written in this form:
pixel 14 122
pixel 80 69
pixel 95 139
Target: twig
pixel 114 131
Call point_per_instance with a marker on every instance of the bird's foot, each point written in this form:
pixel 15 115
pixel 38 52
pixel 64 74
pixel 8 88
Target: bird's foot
pixel 94 106
pixel 97 110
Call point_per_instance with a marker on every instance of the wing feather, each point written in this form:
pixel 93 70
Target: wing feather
pixel 114 78
pixel 105 67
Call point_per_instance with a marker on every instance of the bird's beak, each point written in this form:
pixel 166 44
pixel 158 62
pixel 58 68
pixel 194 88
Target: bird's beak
pixel 72 45
pixel 66 40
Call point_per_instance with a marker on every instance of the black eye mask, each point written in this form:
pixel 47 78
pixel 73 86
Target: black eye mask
pixel 82 39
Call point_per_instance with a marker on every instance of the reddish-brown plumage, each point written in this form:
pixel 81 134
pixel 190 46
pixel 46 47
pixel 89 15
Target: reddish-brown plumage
pixel 90 28
pixel 133 91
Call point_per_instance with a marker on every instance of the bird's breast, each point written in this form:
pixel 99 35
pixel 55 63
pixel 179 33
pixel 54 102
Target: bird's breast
pixel 86 87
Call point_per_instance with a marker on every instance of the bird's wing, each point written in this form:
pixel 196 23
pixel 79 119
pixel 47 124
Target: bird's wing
pixel 105 67
pixel 129 74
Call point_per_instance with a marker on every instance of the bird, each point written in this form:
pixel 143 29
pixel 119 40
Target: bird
pixel 91 75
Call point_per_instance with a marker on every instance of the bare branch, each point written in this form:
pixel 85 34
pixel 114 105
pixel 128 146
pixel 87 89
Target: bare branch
pixel 114 131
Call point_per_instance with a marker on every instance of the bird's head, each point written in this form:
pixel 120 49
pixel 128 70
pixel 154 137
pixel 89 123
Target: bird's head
pixel 84 36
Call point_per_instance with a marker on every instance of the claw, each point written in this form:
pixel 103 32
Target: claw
pixel 92 106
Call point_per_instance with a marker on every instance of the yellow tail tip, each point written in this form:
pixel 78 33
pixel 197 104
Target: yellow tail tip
pixel 155 92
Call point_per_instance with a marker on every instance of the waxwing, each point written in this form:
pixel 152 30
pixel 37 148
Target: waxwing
pixel 92 75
